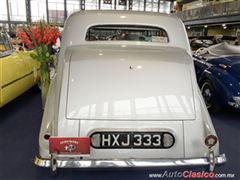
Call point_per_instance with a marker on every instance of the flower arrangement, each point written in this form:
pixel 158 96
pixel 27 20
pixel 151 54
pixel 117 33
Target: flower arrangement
pixel 41 37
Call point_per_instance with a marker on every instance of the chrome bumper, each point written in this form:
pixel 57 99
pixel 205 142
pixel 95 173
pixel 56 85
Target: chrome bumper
pixel 62 162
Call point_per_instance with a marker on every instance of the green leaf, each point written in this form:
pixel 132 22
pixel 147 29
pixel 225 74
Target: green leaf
pixel 34 56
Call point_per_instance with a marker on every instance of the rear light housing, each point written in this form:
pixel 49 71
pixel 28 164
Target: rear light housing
pixel 211 141
pixel 47 136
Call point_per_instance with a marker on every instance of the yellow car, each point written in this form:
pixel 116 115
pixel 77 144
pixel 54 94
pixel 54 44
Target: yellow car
pixel 18 71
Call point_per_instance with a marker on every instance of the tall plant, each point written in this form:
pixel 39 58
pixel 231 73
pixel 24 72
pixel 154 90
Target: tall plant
pixel 41 37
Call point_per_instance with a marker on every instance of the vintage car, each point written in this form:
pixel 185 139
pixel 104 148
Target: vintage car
pixel 218 74
pixel 18 71
pixel 125 102
pixel 197 42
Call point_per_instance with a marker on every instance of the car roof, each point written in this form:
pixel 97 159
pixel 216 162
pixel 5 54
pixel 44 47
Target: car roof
pixel 78 23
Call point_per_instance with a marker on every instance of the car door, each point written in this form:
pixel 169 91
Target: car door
pixel 18 71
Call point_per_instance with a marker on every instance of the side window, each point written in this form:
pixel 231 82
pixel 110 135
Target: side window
pixel 4 43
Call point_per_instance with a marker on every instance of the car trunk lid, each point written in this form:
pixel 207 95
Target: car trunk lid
pixel 129 83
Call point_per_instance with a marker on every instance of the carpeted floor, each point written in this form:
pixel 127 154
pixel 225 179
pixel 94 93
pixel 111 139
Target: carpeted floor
pixel 19 127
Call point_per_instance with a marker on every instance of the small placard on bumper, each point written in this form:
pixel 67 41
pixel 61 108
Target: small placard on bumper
pixel 69 145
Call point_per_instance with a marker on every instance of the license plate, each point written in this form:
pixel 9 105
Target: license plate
pixel 132 140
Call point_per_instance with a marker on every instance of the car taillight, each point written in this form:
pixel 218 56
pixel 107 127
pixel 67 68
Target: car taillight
pixel 47 136
pixel 69 145
pixel 210 141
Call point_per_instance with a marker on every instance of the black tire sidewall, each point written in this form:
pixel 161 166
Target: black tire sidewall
pixel 215 106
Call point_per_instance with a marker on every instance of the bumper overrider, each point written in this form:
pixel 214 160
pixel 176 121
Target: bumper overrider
pixel 75 153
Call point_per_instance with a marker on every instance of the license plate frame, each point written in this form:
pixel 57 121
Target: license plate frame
pixel 132 140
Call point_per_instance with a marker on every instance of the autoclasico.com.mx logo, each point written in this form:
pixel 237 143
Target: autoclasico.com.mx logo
pixel 191 174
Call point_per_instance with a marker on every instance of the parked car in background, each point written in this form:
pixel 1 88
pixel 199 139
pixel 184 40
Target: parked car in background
pixel 197 43
pixel 18 71
pixel 125 102
pixel 207 41
pixel 218 74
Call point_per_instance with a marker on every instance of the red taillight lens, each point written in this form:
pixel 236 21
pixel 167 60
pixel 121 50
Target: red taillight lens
pixel 210 141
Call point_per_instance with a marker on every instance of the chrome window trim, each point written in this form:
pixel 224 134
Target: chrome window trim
pixel 6 53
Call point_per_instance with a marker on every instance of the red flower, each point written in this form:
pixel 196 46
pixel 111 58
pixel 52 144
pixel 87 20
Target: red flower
pixel 25 39
pixel 39 34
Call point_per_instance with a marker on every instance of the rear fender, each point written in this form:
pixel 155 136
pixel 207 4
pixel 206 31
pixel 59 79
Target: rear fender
pixel 196 131
pixel 219 82
pixel 48 117
pixel 224 79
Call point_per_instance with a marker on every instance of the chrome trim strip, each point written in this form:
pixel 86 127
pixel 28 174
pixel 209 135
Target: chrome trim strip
pixel 66 162
pixel 6 53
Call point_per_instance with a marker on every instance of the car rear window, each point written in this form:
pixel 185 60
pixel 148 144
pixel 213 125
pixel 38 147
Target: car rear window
pixel 127 33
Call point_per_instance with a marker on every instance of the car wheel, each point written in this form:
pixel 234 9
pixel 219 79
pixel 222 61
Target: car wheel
pixel 209 95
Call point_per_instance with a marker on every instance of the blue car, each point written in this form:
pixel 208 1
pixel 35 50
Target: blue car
pixel 218 74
